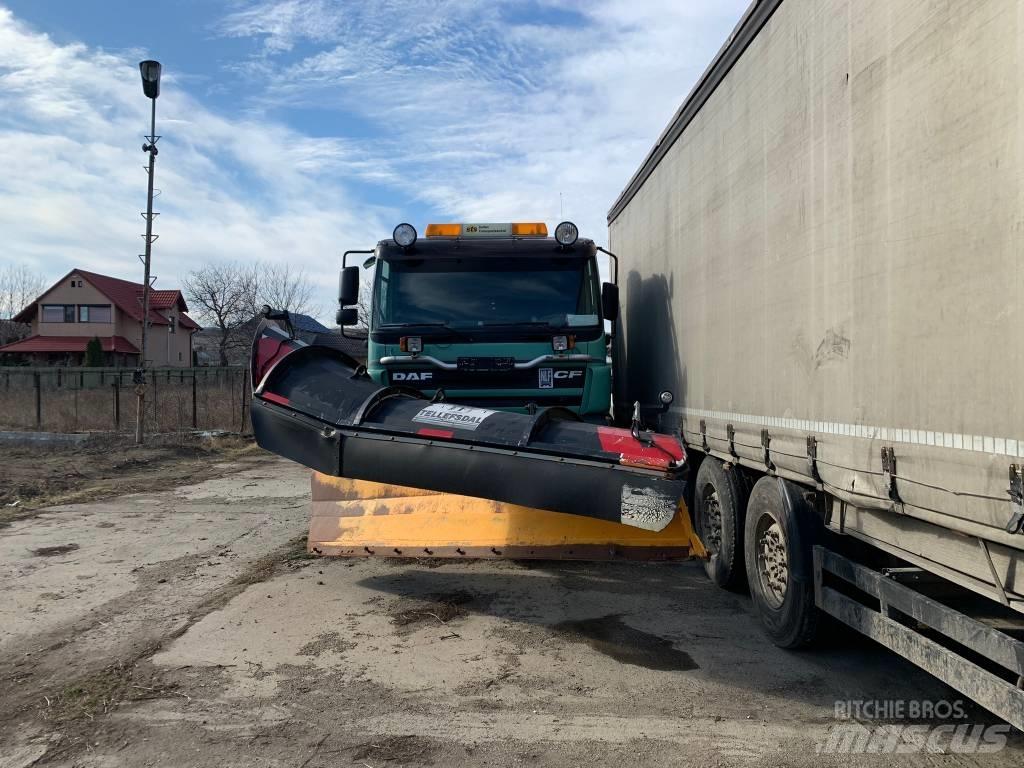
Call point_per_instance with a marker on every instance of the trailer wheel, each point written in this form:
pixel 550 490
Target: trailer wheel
pixel 779 531
pixel 718 517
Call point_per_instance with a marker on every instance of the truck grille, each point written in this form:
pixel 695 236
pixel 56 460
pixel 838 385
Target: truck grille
pixel 543 379
pixel 567 401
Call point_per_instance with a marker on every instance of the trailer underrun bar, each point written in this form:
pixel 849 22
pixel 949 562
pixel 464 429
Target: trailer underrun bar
pixel 317 406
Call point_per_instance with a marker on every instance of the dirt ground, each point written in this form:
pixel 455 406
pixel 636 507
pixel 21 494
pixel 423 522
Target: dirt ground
pixel 38 475
pixel 186 626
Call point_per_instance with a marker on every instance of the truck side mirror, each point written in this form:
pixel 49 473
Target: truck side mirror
pixel 347 316
pixel 348 286
pixel 610 301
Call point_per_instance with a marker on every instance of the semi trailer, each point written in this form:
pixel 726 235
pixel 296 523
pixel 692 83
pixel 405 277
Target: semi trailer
pixel 822 258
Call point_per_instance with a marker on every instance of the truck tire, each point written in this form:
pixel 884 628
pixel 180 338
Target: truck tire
pixel 779 531
pixel 718 496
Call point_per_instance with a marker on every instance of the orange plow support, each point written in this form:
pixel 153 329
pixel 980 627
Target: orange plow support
pixel 357 518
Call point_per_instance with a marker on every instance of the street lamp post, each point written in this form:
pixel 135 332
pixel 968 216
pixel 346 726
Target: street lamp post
pixel 150 71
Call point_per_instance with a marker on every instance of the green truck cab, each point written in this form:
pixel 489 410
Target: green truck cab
pixel 498 316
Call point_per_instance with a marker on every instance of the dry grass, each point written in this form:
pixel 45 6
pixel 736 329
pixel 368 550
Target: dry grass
pixel 430 608
pixel 101 692
pixel 404 750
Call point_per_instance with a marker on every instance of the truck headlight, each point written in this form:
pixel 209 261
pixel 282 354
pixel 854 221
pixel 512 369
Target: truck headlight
pixel 411 344
pixel 405 235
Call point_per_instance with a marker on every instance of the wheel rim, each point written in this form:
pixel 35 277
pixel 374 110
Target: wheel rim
pixel 772 560
pixel 711 520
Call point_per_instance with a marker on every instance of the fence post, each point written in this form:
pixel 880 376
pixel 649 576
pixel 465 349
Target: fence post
pixel 39 400
pixel 117 405
pixel 194 421
pixel 245 379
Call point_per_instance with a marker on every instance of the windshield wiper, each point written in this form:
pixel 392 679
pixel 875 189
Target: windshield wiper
pixel 413 325
pixel 526 324
pixel 446 326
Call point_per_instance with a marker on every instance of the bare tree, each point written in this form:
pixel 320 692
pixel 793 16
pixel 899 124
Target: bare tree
pixel 223 296
pixel 282 286
pixel 365 303
pixel 19 287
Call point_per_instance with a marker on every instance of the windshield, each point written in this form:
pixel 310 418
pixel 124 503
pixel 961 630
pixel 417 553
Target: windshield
pixel 478 293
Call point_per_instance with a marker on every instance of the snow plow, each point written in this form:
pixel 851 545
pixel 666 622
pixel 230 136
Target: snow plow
pixel 318 407
pixel 355 518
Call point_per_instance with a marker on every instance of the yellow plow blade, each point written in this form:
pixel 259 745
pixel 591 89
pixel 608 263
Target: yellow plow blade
pixel 353 518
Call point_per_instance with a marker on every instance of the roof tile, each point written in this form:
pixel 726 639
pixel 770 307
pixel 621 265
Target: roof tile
pixel 69 344
pixel 127 296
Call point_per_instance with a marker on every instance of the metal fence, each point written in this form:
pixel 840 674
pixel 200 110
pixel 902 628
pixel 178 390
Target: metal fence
pixel 104 399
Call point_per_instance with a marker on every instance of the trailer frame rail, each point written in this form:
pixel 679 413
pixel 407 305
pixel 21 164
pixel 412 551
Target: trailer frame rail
pixel 996 694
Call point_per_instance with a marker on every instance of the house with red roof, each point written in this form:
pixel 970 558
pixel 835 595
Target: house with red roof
pixel 85 305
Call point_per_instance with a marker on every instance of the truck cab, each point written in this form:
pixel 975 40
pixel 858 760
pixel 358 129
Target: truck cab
pixel 494 315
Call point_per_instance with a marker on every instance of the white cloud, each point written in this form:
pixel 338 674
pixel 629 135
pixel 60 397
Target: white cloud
pixel 475 109
pixel 489 115
pixel 72 187
pixel 280 24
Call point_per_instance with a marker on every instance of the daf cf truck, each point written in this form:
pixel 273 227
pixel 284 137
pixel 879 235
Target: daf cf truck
pixel 496 315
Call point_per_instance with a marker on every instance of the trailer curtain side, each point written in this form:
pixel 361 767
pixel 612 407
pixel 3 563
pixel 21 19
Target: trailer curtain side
pixel 832 248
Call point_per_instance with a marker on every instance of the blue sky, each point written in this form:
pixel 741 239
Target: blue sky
pixel 296 129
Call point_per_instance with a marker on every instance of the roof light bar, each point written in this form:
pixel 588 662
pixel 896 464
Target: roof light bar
pixel 530 229
pixel 444 230
pixel 510 229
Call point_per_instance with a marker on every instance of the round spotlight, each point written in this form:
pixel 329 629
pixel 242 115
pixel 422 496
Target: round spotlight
pixel 666 397
pixel 405 235
pixel 566 233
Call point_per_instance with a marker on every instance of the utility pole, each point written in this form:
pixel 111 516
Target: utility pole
pixel 150 71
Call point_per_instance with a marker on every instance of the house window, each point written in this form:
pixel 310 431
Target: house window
pixel 58 313
pixel 94 313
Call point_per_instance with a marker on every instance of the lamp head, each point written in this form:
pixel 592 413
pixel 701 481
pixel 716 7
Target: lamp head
pixel 150 71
